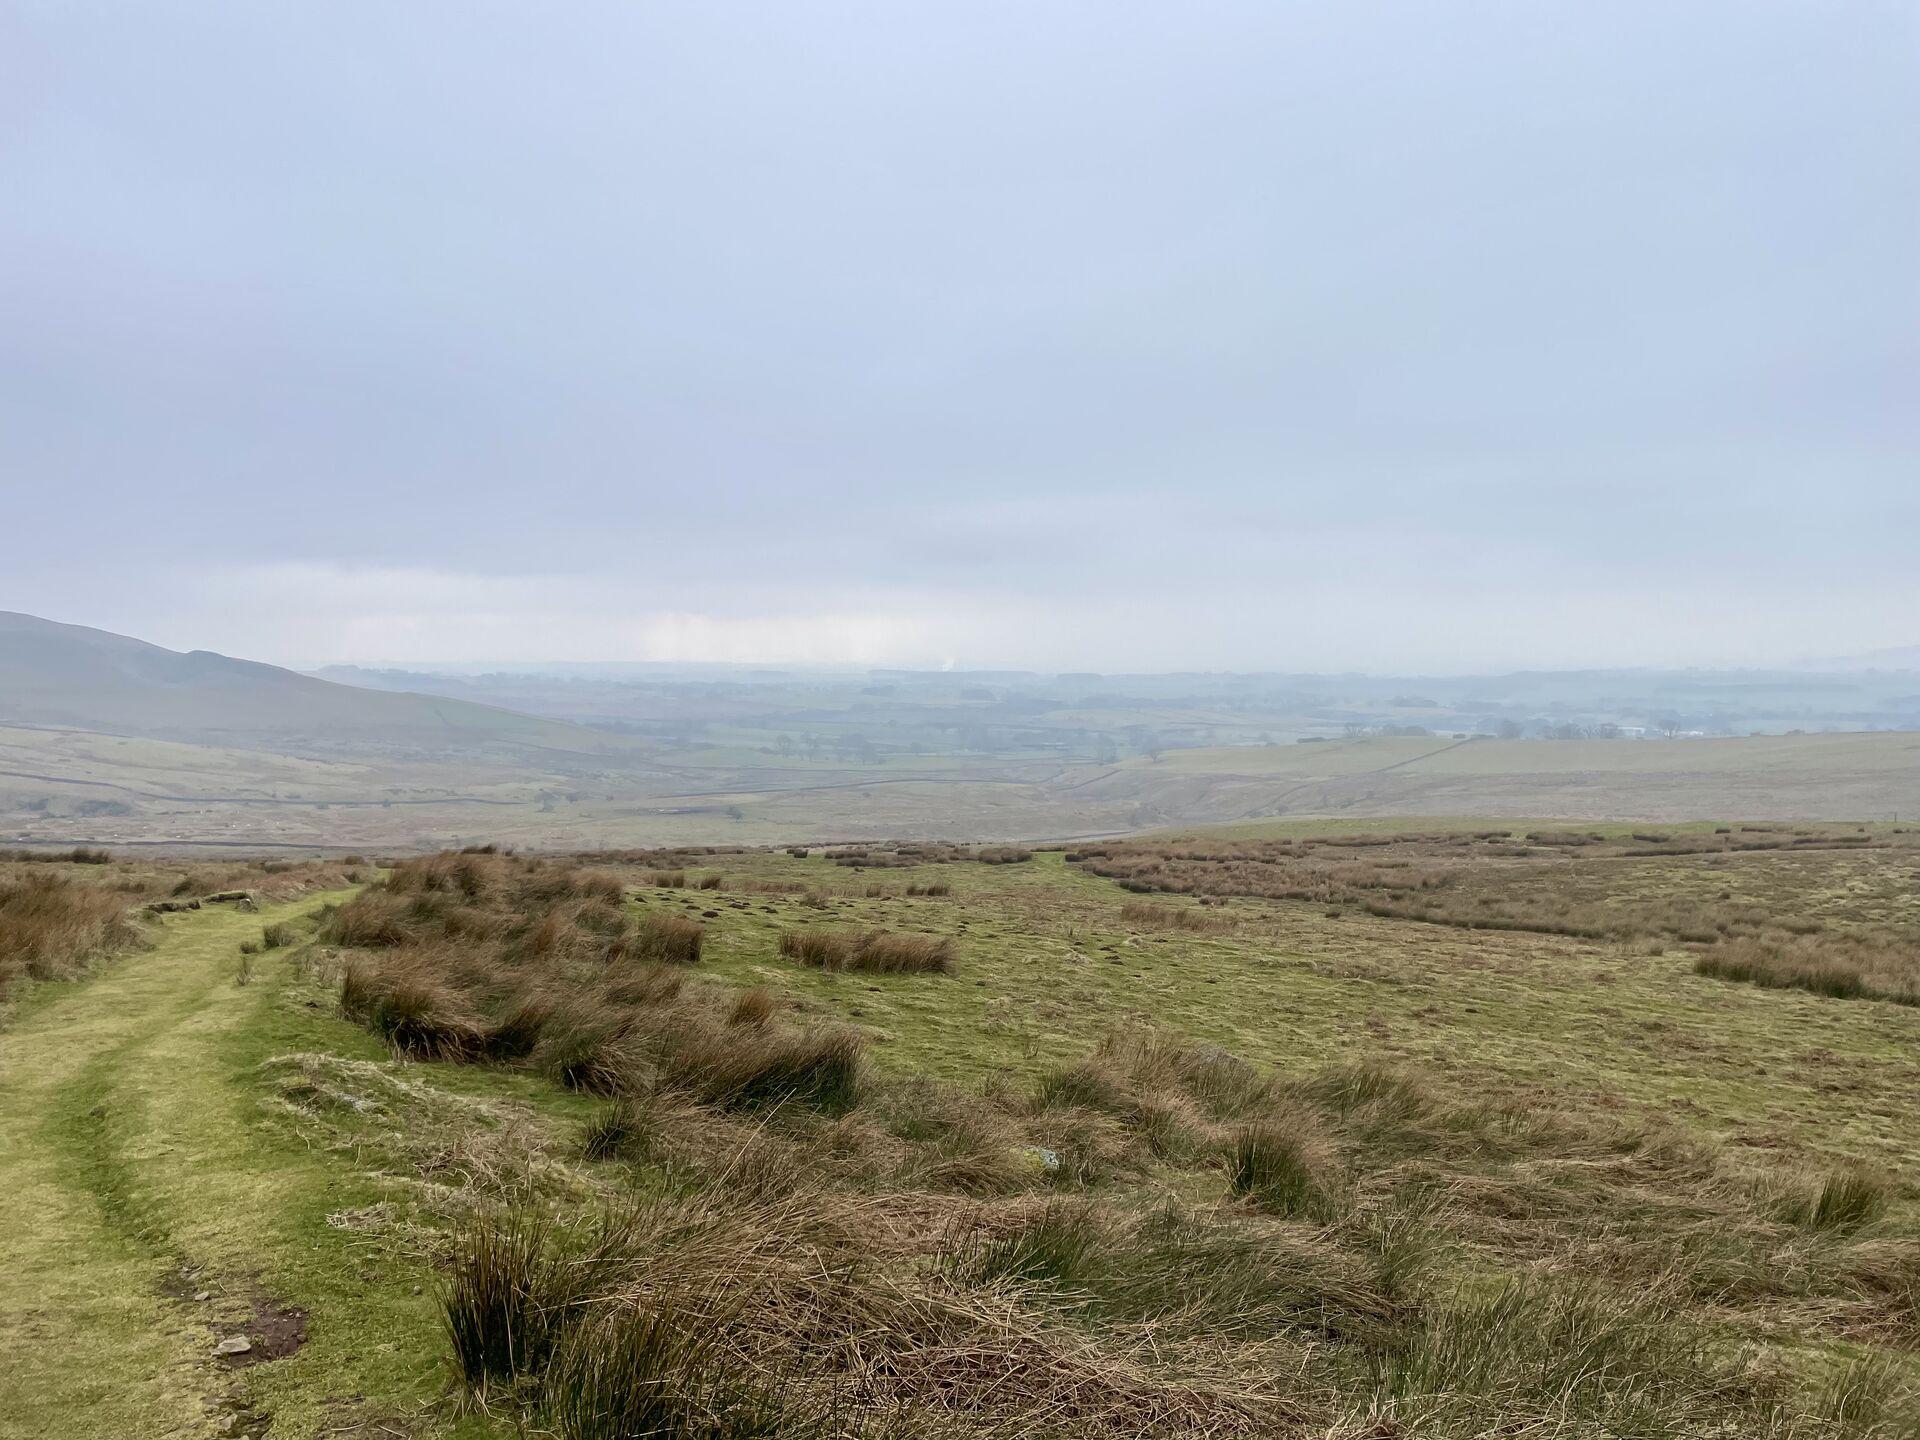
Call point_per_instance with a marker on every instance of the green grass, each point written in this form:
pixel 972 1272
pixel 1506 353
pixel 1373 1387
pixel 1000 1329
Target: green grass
pixel 1046 965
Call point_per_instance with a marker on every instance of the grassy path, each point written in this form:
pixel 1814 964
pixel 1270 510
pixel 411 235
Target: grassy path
pixel 140 1172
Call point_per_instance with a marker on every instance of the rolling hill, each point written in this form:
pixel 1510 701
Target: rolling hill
pixel 72 677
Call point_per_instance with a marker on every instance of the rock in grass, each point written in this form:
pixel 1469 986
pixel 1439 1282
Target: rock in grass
pixel 233 1345
pixel 1040 1158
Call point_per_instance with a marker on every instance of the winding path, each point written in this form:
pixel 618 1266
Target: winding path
pixel 132 1143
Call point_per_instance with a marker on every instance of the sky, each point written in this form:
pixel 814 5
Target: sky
pixel 1445 335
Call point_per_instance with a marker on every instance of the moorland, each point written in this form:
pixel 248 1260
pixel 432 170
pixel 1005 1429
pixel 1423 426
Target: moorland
pixel 1320 1128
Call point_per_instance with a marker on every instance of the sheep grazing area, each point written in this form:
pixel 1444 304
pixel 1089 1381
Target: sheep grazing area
pixel 1416 1130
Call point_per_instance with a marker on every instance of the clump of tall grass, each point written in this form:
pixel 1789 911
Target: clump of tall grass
pixel 498 1308
pixel 749 1067
pixel 1841 965
pixel 512 1290
pixel 1280 1168
pixel 669 939
pixel 872 951
pixel 635 1371
pixel 415 1012
pixel 369 921
pixel 1845 1199
pixel 51 926
pixel 1058 1246
pixel 752 1007
pixel 589 1049
pixel 1168 917
pixel 624 1130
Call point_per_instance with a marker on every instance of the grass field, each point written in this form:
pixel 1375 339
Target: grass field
pixel 1076 1159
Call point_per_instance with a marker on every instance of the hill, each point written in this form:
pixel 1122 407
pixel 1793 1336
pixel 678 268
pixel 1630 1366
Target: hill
pixel 72 677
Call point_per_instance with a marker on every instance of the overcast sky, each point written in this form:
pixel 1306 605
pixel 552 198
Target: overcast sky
pixel 1437 335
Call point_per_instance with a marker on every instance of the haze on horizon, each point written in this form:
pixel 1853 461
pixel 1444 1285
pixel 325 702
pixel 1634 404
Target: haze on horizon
pixel 1330 336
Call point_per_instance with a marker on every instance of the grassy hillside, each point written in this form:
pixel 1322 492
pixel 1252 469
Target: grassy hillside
pixel 71 677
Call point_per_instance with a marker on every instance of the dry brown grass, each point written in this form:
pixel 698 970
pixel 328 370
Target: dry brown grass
pixel 1559 882
pixel 1841 964
pixel 1169 917
pixel 51 926
pixel 752 1007
pixel 875 951
pixel 670 939
pixel 830 1276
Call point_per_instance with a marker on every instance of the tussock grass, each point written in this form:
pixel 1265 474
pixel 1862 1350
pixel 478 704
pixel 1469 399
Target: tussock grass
pixel 51 926
pixel 1156 1239
pixel 633 1372
pixel 1280 1168
pixel 1543 1358
pixel 586 1047
pixel 414 1012
pixel 752 1007
pixel 749 1067
pixel 1168 917
pixel 669 939
pixel 500 1305
pixel 823 949
pixel 873 951
pixel 1059 1245
pixel 1845 1199
pixel 278 935
pixel 1839 965
pixel 513 1285
pixel 624 1130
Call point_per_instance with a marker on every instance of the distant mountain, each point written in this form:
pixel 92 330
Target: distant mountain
pixel 73 677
